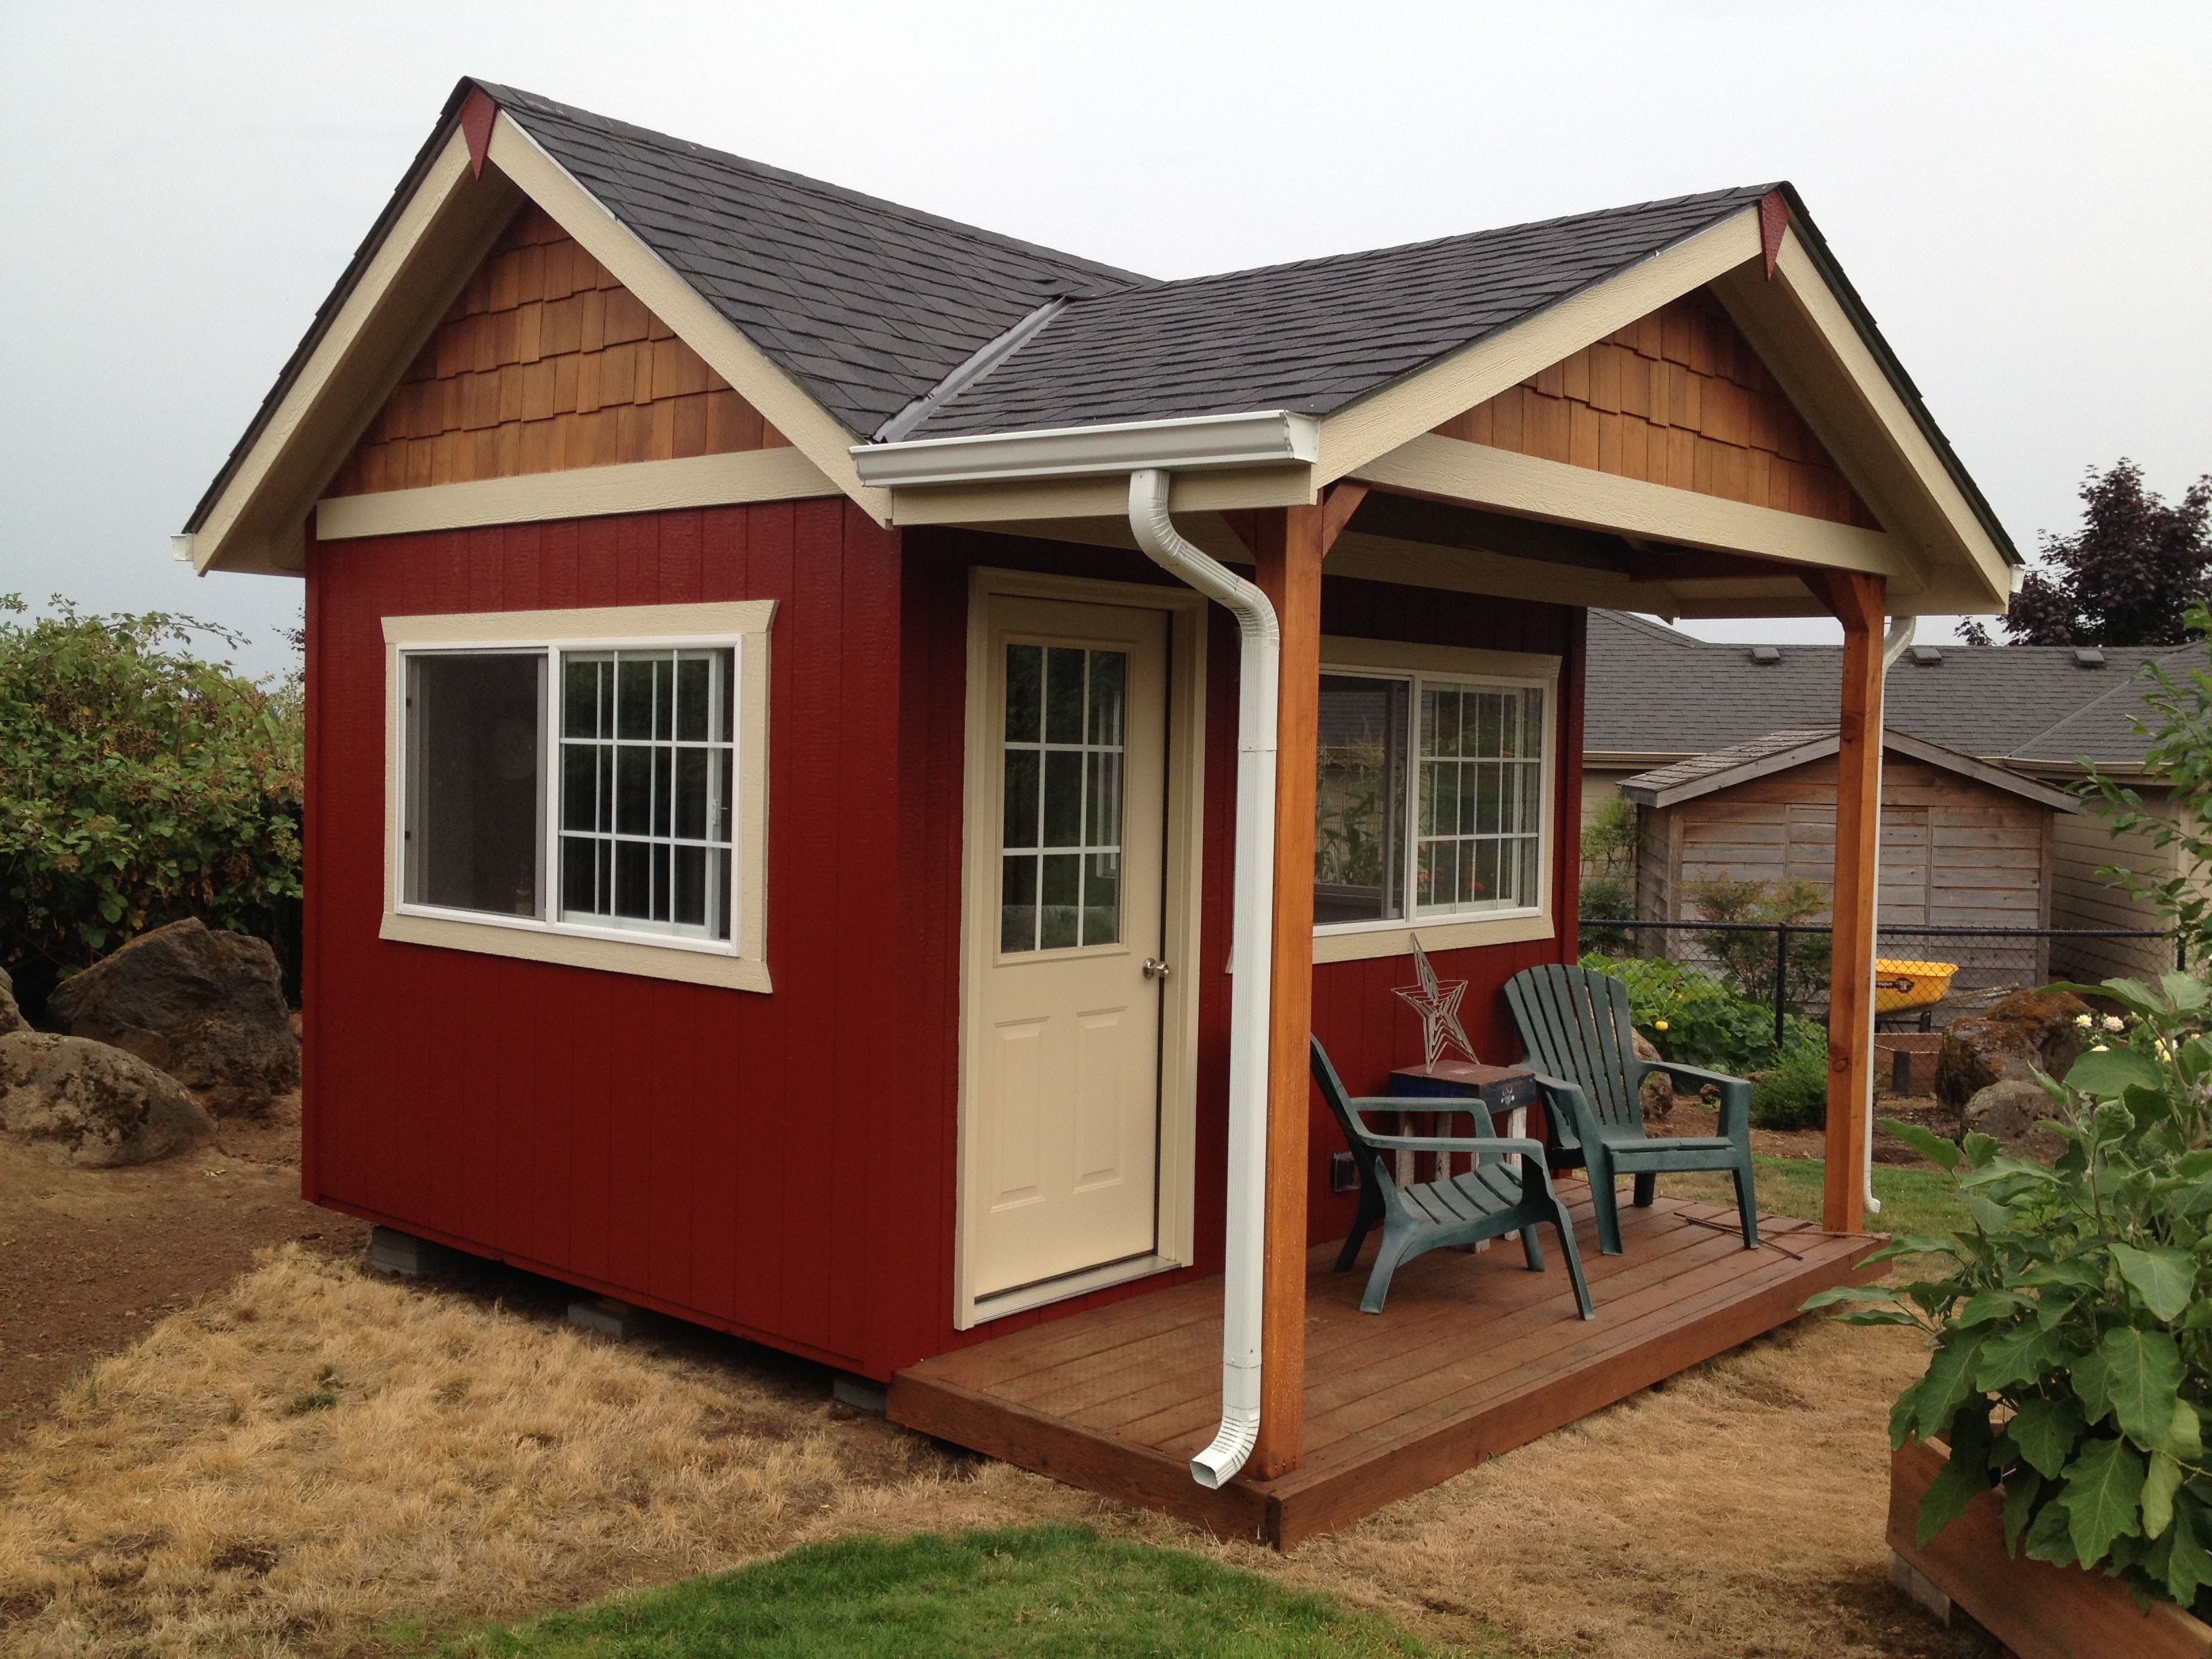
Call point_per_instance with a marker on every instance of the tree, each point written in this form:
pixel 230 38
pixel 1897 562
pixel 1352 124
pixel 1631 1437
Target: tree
pixel 2125 577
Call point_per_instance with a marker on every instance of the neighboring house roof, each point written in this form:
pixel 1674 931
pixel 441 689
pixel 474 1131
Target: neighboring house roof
pixel 902 326
pixel 1656 691
pixel 1780 751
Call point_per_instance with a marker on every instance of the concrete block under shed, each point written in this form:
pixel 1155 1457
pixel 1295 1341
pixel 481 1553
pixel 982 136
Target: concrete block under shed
pixel 609 1317
pixel 858 1392
pixel 390 1251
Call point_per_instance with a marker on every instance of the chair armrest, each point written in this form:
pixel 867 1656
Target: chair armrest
pixel 1488 1145
pixel 1572 1118
pixel 1735 1091
pixel 1440 1105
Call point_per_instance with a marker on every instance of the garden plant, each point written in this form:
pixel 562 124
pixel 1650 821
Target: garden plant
pixel 2071 1362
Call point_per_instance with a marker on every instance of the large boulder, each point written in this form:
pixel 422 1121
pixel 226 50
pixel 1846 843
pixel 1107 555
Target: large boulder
pixel 2031 1031
pixel 11 1016
pixel 205 1006
pixel 2014 1111
pixel 1657 1098
pixel 92 1105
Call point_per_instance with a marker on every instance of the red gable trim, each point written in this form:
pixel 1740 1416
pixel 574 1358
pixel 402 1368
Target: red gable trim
pixel 478 112
pixel 1773 220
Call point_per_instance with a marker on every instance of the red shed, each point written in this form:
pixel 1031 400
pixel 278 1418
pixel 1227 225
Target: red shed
pixel 774 824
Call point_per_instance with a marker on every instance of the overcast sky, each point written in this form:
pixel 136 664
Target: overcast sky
pixel 2019 191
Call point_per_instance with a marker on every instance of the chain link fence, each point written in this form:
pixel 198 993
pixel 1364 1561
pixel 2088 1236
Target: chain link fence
pixel 1924 977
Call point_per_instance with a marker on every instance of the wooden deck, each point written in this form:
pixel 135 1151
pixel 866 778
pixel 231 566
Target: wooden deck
pixel 1474 1355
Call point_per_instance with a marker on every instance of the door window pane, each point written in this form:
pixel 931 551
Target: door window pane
pixel 475 798
pixel 647 771
pixel 1060 822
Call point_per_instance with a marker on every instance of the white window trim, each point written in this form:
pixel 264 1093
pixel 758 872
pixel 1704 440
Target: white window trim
pixel 739 963
pixel 1356 941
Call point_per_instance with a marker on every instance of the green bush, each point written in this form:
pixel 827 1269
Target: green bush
pixel 1606 895
pixel 2072 1346
pixel 1793 1092
pixel 139 784
pixel 1694 1019
pixel 1746 959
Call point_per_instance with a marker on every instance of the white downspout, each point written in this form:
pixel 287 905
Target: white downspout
pixel 1259 669
pixel 1901 630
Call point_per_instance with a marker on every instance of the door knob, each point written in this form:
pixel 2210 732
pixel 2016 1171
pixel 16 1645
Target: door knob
pixel 1154 969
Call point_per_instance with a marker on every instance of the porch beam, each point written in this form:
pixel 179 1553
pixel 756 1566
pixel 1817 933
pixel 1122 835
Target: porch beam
pixel 1859 602
pixel 1291 542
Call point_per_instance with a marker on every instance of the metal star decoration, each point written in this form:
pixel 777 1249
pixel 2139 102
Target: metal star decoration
pixel 1437 1003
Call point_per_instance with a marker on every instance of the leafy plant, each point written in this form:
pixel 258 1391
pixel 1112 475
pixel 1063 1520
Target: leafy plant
pixel 1602 897
pixel 1793 1093
pixel 2180 727
pixel 1748 958
pixel 1610 840
pixel 1695 1019
pixel 2072 1345
pixel 139 784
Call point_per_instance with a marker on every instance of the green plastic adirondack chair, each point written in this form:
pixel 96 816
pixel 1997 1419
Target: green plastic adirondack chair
pixel 1575 1025
pixel 1489 1201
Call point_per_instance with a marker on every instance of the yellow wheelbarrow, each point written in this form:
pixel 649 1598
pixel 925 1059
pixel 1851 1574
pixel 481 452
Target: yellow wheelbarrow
pixel 1898 986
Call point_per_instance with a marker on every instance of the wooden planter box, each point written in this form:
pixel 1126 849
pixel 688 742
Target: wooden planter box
pixel 2038 1610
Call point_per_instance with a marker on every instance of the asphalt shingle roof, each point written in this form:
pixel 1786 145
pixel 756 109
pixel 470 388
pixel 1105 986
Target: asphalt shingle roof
pixel 1653 690
pixel 869 304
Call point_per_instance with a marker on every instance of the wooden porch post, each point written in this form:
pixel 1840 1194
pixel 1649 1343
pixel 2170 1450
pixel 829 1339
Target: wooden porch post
pixel 1289 544
pixel 1289 558
pixel 1858 603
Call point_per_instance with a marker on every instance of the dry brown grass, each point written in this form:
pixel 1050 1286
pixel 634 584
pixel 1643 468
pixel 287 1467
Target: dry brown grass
pixel 195 1495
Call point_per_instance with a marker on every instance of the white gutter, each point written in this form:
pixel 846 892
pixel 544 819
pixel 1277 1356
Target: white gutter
pixel 1259 669
pixel 1901 630
pixel 1267 438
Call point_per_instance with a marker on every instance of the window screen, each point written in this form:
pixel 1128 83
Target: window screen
pixel 475 832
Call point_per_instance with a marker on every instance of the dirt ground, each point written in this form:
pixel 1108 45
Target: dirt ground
pixel 91 1260
pixel 1693 1117
pixel 310 1460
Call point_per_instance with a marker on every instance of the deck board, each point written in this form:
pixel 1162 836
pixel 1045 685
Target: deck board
pixel 1474 1355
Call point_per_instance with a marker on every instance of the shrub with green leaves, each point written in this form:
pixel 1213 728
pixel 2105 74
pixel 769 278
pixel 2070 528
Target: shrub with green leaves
pixel 2072 1343
pixel 139 784
pixel 1694 1019
pixel 1793 1092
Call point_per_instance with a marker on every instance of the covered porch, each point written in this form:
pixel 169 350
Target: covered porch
pixel 1475 1357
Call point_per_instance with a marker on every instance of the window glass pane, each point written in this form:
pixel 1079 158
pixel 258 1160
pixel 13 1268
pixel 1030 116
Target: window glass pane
pixel 1059 913
pixel 1063 694
pixel 1480 815
pixel 1018 903
pixel 1359 801
pixel 659 813
pixel 691 675
pixel 1061 769
pixel 474 797
pixel 580 698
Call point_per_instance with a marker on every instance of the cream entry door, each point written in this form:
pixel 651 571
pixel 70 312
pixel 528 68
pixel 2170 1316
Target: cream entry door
pixel 1064 1110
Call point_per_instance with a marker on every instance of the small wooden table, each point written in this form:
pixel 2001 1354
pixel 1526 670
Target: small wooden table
pixel 1507 1089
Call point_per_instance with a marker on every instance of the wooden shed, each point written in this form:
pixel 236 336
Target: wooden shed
pixel 792 760
pixel 1964 845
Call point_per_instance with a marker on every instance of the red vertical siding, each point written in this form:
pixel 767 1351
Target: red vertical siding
pixel 780 1165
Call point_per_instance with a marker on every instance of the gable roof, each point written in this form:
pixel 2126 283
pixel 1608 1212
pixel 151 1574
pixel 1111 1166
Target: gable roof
pixel 1780 751
pixel 891 326
pixel 1654 690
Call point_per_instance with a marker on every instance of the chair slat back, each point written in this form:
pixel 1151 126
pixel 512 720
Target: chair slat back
pixel 1373 1165
pixel 1575 1025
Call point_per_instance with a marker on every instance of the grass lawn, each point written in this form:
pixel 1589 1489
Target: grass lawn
pixel 1912 1200
pixel 1055 1589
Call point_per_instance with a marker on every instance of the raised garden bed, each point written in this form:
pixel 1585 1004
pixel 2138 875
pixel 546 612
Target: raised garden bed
pixel 2038 1610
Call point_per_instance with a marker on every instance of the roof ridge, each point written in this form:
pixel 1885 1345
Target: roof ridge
pixel 511 98
pixel 1747 193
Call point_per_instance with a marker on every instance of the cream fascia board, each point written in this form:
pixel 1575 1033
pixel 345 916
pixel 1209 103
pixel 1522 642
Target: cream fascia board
pixel 447 176
pixel 1801 280
pixel 1201 442
pixel 1105 497
pixel 741 965
pixel 1376 426
pixel 781 399
pixel 753 475
pixel 1368 941
pixel 1562 494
